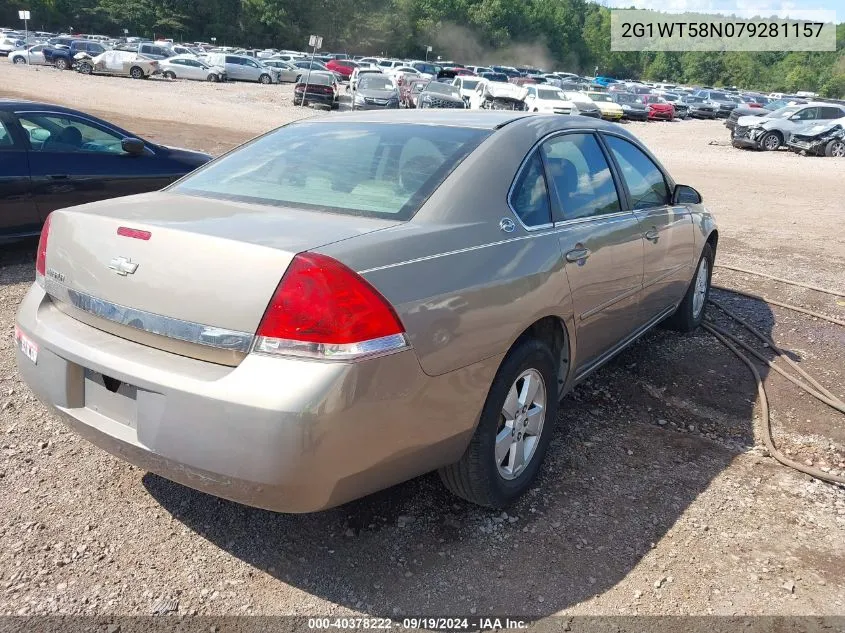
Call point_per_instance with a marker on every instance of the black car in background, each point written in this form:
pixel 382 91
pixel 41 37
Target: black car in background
pixel 633 107
pixel 53 157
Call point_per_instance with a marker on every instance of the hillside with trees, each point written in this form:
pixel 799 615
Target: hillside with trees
pixel 572 35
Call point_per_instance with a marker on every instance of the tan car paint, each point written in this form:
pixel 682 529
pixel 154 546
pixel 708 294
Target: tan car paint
pixel 298 435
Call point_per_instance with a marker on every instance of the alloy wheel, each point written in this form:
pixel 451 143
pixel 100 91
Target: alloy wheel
pixel 520 424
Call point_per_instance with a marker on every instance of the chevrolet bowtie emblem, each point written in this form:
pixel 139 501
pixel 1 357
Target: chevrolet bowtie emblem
pixel 123 266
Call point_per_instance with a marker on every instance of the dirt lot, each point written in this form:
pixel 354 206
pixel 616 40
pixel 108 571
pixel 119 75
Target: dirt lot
pixel 657 499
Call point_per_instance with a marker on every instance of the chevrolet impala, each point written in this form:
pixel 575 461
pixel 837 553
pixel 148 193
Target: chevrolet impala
pixel 350 301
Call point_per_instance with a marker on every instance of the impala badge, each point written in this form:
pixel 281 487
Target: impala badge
pixel 123 266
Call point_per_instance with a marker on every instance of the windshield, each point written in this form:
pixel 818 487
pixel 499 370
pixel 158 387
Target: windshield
pixel 671 97
pixel 721 96
pixel 443 89
pixel 577 97
pixel 783 112
pixel 377 170
pixel 375 81
pixel 549 95
pixel 500 77
pixel 627 98
pixel 599 96
pixel 470 84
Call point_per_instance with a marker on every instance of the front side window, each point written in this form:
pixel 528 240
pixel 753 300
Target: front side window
pixel 377 170
pixel 62 133
pixel 807 114
pixel 530 196
pixel 580 176
pixel 644 179
pixel 6 140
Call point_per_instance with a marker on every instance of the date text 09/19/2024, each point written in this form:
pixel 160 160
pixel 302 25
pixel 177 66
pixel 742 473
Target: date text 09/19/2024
pixel 415 623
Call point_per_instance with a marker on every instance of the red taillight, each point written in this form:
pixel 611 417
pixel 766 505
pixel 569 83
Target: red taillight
pixel 41 254
pixel 322 309
pixel 138 234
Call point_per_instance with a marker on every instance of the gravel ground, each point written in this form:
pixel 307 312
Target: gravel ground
pixel 658 497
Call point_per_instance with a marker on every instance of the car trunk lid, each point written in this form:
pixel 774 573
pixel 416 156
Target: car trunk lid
pixel 191 275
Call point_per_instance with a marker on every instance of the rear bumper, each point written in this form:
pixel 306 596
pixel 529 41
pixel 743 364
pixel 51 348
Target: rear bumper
pixel 276 433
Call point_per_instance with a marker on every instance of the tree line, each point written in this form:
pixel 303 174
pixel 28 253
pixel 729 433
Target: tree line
pixel 571 35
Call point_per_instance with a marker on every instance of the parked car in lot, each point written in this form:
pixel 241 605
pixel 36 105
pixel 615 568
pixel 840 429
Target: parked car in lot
pixel 62 56
pixel 288 73
pixel 52 156
pixel 823 139
pixel 681 108
pixel 317 87
pixel 244 68
pixel 440 95
pixel 10 44
pixel 358 72
pixel 33 55
pixel 117 63
pixel 658 107
pixel 746 110
pixel 343 67
pixel 184 67
pixel 402 296
pixel 724 104
pixel 700 108
pixel 466 85
pixel 773 131
pixel 632 106
pixel 610 110
pixel 547 100
pixel 583 105
pixel 375 91
pixel 409 92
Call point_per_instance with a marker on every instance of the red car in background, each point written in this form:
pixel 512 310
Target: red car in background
pixel 658 107
pixel 344 67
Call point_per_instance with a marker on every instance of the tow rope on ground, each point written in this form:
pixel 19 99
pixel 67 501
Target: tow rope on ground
pixel 814 388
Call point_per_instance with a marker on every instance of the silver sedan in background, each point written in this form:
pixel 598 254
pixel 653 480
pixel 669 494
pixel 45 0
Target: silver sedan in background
pixel 33 55
pixel 351 301
pixel 189 67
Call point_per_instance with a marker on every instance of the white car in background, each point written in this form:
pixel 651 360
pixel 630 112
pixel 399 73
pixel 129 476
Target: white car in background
pixel 189 67
pixel 466 86
pixel 10 44
pixel 359 70
pixel 547 100
pixel 582 104
pixel 33 55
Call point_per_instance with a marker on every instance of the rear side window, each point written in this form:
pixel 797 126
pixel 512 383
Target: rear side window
pixel 530 196
pixel 368 169
pixel 832 113
pixel 6 140
pixel 644 179
pixel 580 176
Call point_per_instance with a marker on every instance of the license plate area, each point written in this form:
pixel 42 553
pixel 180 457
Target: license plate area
pixel 111 398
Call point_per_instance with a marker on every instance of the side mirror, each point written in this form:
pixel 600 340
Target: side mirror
pixel 684 194
pixel 133 146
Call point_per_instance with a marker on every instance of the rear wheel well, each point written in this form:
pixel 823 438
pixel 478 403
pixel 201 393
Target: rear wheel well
pixel 713 240
pixel 551 331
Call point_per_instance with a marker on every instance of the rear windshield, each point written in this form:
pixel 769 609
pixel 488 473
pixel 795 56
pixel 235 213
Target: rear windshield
pixel 369 169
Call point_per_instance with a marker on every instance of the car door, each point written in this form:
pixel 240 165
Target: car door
pixel 252 71
pixel 18 212
pixel 668 232
pixel 600 241
pixel 800 121
pixel 234 68
pixel 74 160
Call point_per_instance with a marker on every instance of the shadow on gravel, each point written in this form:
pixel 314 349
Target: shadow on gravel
pixel 17 261
pixel 633 449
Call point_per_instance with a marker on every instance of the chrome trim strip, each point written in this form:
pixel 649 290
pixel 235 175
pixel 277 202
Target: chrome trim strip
pixel 601 360
pixel 187 331
pixel 665 275
pixel 621 297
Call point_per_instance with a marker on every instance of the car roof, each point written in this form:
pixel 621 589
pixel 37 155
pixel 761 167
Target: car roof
pixel 7 104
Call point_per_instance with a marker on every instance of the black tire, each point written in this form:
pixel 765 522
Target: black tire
pixel 836 148
pixel 476 476
pixel 86 69
pixel 61 63
pixel 169 74
pixel 19 60
pixel 684 318
pixel 768 140
pixel 136 72
pixel 212 78
pixel 265 79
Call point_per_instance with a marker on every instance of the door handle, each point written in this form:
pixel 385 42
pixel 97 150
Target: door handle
pixel 578 255
pixel 58 176
pixel 653 235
